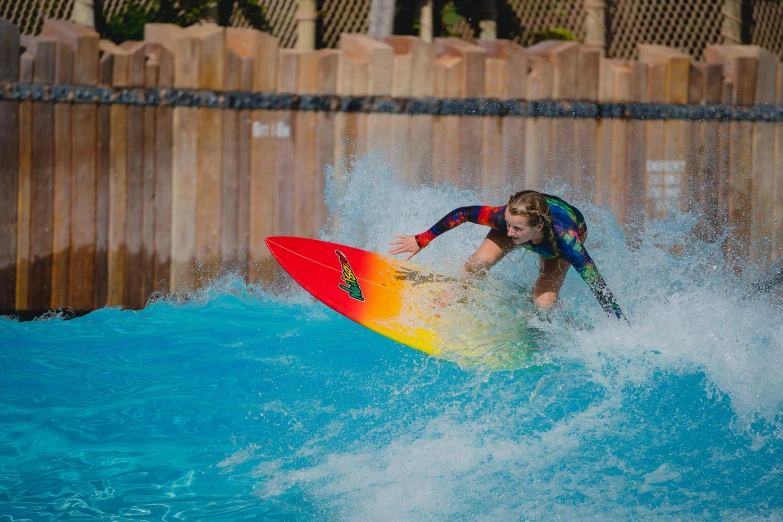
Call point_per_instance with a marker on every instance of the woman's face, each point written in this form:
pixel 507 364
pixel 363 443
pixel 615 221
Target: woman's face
pixel 520 231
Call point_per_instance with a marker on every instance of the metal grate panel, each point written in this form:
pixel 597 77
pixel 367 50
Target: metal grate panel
pixel 687 25
pixel 344 16
pixel 281 16
pixel 768 26
pixel 29 15
pixel 541 15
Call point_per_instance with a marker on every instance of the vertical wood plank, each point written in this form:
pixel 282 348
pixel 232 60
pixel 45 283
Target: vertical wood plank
pixel 373 68
pixel 469 130
pixel 562 57
pixel 263 157
pixel 509 173
pixel 306 149
pixel 670 174
pixel 637 160
pixel 210 151
pixel 9 172
pixel 186 48
pixel 283 134
pixel 103 186
pixel 24 188
pixel 655 189
pixel 585 153
pixel 135 293
pixel 777 251
pixel 163 56
pixel 9 167
pixel 149 224
pixel 327 85
pixel 42 176
pixel 402 78
pixel 229 209
pixel 84 44
pixel 702 161
pixel 61 210
pixel 116 264
pixel 537 130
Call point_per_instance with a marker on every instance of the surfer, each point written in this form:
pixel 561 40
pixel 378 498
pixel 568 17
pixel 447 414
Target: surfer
pixel 544 224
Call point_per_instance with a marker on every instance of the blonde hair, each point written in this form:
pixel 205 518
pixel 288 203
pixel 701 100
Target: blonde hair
pixel 534 206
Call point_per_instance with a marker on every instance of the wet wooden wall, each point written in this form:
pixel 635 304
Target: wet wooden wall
pixel 106 203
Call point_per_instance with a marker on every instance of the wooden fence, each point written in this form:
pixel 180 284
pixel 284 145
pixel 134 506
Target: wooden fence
pixel 106 203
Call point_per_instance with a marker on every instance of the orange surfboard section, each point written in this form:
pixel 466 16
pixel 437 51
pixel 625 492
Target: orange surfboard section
pixel 430 312
pixel 374 290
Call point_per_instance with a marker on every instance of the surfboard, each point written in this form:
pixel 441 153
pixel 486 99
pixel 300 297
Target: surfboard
pixel 410 304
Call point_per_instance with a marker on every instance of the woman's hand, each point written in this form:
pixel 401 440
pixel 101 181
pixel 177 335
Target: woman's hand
pixel 404 244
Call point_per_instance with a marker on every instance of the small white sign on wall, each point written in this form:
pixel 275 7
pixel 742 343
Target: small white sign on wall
pixel 664 183
pixel 271 130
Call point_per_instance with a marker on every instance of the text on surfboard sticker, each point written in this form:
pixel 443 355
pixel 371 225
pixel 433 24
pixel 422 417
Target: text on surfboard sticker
pixel 351 282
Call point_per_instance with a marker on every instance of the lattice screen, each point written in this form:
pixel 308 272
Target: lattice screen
pixel 768 29
pixel 688 25
pixel 343 16
pixel 541 15
pixel 281 16
pixel 28 15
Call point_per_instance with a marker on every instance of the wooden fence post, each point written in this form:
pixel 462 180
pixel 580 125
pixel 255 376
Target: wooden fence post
pixel 637 159
pixel 83 43
pixel 161 58
pixel 328 68
pixel 470 78
pixel 562 57
pixel 136 291
pixel 263 156
pixel 667 141
pixel 445 131
pixel 211 75
pixel 504 138
pixel 116 61
pixel 702 170
pixel 537 130
pixel 43 50
pixel 413 77
pixel 9 167
pixel 752 74
pixel 22 222
pixel 588 87
pixel 61 209
pixel 235 208
pixel 372 66
pixel 186 49
pixel 777 251
pixel 611 182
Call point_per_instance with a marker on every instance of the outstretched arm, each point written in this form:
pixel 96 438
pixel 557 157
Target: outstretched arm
pixel 490 216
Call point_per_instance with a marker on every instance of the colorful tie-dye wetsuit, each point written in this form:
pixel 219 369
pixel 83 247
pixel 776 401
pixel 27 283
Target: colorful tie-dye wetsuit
pixel 569 229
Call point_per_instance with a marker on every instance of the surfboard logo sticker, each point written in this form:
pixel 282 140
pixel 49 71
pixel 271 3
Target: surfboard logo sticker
pixel 349 277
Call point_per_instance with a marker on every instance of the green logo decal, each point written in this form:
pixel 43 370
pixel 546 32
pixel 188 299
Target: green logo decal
pixel 350 279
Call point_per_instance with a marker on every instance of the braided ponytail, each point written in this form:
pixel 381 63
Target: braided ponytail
pixel 534 206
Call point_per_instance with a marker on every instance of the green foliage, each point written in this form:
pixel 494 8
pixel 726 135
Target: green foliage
pixel 450 17
pixel 129 23
pixel 554 33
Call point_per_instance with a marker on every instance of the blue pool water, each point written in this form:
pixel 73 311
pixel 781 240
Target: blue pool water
pixel 255 402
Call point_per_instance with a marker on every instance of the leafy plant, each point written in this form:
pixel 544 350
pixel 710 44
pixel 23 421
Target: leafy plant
pixel 129 23
pixel 450 17
pixel 554 33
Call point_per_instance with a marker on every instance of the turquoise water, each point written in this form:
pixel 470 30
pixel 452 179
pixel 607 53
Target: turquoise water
pixel 255 402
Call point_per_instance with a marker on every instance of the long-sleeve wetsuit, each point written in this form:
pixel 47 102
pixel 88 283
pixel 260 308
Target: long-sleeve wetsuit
pixel 569 228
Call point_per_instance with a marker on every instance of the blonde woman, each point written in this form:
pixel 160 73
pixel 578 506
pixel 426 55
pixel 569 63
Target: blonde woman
pixel 544 224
